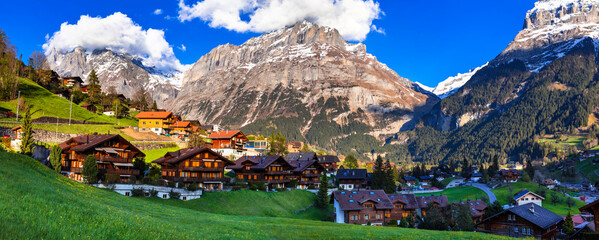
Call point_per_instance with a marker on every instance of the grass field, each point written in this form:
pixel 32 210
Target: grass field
pixel 587 169
pixel 154 154
pixel 37 203
pixel 266 204
pixel 564 142
pixel 458 194
pixel 561 208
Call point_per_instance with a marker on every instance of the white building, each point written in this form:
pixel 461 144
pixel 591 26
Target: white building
pixel 163 192
pixel 525 196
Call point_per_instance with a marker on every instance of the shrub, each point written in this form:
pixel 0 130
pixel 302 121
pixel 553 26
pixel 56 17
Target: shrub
pixel 393 223
pixel 146 180
pixel 137 192
pixel 153 193
pixel 292 183
pixel 90 169
pixel 112 178
pixel 174 195
pixel 258 186
pixel 180 185
pixel 171 184
pixel 192 187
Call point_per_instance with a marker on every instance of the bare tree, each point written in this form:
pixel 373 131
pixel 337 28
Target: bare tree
pixel 37 61
pixel 142 99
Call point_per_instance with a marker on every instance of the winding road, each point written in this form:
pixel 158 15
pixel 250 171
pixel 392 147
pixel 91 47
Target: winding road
pixel 486 189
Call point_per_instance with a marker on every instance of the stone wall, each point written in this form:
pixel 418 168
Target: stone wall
pixel 51 137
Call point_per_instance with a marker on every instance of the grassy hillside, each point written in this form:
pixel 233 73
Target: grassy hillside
pixel 51 105
pixel 561 208
pixel 267 204
pixel 37 203
pixel 458 194
pixel 153 154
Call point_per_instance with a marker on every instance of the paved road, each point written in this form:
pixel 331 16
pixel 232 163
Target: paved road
pixel 487 190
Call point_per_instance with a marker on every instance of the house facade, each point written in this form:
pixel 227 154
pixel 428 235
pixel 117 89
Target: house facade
pixel 329 162
pixel 157 122
pixel 477 209
pixel 200 166
pixel 403 205
pixel 274 171
pixel 114 155
pixel 592 208
pixel 229 143
pixel 525 196
pixel 362 207
pixel 350 179
pixel 510 175
pixel 307 173
pixel 528 220
pixel 294 147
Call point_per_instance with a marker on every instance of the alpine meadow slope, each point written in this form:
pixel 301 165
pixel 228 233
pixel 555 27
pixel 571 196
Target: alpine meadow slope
pixel 39 203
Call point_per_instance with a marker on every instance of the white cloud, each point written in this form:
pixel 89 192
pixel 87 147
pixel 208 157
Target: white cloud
pixel 353 18
pixel 118 33
pixel 158 11
pixel 182 48
pixel 377 29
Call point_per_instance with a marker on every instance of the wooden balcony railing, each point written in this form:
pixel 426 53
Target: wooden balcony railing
pixel 311 175
pixel 277 172
pixel 197 179
pixel 113 159
pixel 204 169
pixel 277 181
pixel 308 182
pixel 123 171
pixel 75 169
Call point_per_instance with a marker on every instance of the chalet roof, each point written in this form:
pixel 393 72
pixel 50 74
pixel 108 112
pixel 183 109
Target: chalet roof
pixel 352 174
pixel 86 105
pixel 423 201
pixel 536 215
pixel 328 159
pixel 548 181
pixel 183 154
pixel 409 178
pixel 508 171
pixel 523 192
pixel 181 124
pixel 77 79
pixel 476 207
pixel 426 177
pixel 301 156
pixel 354 200
pixel 17 128
pixel 86 142
pixel 300 166
pixel 409 200
pixel 295 144
pixel 153 115
pixel 589 207
pixel 224 134
pixel 259 162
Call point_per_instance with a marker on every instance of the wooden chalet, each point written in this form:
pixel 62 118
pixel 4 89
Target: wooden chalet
pixel 350 179
pixel 90 107
pixel 157 122
pixel 113 153
pixel 228 139
pixel 294 147
pixel 425 202
pixel 592 208
pixel 72 81
pixel 409 180
pixel 403 205
pixel 329 162
pixel 510 175
pixel 181 128
pixel 524 196
pixel 200 166
pixel 477 209
pixel 85 88
pixel 18 130
pixel 274 171
pixel 362 207
pixel 528 220
pixel 307 173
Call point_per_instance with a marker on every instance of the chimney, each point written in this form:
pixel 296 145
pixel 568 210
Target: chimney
pixel 87 138
pixel 532 208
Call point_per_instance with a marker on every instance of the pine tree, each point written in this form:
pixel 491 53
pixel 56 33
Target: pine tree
pixel 568 226
pixel 466 168
pixel 403 223
pixel 27 140
pixel 95 90
pixel 322 198
pixel 90 169
pixel 306 148
pixel 378 174
pixel 389 185
pixel 464 219
pixel 529 168
pixel 56 158
pixel 411 221
pixel 154 106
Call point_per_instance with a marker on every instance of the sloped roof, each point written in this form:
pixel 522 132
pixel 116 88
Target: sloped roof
pixel 224 134
pixel 328 159
pixel 588 207
pixel 538 216
pixel 351 174
pixel 409 200
pixel 295 144
pixel 259 162
pixel 302 165
pixel 353 200
pixel 301 156
pixel 153 115
pixel 423 201
pixel 183 154
pixel 476 207
pixel 86 142
pixel 523 192
pixel 508 171
pixel 181 124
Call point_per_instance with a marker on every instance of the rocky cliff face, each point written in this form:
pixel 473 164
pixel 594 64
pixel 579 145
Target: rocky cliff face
pixel 124 72
pixel 297 69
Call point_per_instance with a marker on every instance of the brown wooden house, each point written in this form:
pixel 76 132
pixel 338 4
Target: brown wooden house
pixel 329 162
pixel 424 202
pixel 528 220
pixel 200 166
pixel 510 175
pixel 403 205
pixel 228 139
pixel 90 107
pixel 477 209
pixel 592 208
pixel 362 207
pixel 307 173
pixel 114 155
pixel 274 171
pixel 350 179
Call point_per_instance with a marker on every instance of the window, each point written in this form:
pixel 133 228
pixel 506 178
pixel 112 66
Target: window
pixel 368 205
pixel 127 194
pixel 354 217
pixel 163 195
pixel 366 217
pixel 378 216
pixel 143 123
pixel 516 230
pixel 156 123
pixel 143 129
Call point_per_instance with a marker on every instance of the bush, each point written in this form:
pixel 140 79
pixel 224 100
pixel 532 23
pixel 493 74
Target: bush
pixel 153 193
pixel 174 195
pixel 146 180
pixel 392 222
pixel 258 186
pixel 132 180
pixel 171 184
pixel 192 187
pixel 137 192
pixel 292 183
pixel 180 185
pixel 112 178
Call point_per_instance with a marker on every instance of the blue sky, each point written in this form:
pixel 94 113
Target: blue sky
pixel 425 41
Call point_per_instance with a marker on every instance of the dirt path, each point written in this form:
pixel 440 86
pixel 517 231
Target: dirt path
pixel 145 136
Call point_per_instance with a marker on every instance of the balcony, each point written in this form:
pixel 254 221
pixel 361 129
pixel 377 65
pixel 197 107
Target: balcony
pixel 311 175
pixel 277 172
pixel 113 159
pixel 197 179
pixel 75 170
pixel 277 181
pixel 308 182
pixel 204 169
pixel 122 171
